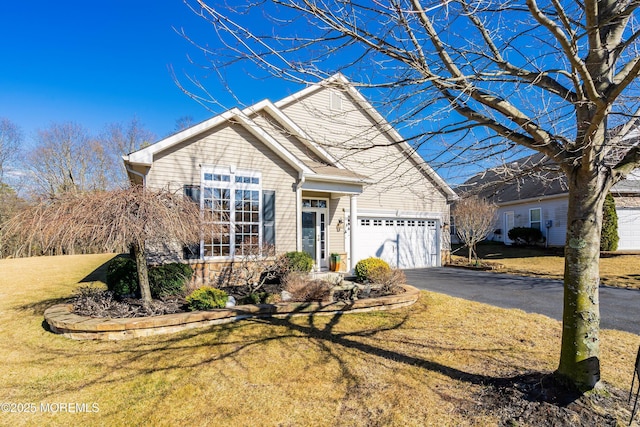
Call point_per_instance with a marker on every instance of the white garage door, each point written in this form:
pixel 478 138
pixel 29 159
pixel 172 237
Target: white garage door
pixel 403 243
pixel 629 229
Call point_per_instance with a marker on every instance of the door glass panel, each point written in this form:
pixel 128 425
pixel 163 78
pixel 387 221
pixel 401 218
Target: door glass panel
pixel 322 236
pixel 509 223
pixel 309 233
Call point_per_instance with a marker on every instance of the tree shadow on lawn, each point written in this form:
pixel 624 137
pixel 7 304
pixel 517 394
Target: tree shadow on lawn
pixel 38 308
pixel 537 394
pixel 99 274
pixel 537 397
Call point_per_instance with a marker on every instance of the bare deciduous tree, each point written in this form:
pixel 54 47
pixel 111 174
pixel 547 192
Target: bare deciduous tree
pixel 474 219
pixel 558 77
pixel 183 123
pixel 63 160
pixel 10 139
pixel 112 220
pixel 119 139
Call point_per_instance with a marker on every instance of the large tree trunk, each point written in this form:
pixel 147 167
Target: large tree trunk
pixel 143 271
pixel 580 351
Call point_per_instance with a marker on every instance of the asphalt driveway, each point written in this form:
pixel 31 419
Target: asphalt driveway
pixel 619 308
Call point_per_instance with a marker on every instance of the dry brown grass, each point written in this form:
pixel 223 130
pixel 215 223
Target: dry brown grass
pixel 425 365
pixel 615 270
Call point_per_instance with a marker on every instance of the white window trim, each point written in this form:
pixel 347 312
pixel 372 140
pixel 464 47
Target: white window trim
pixel 539 221
pixel 232 186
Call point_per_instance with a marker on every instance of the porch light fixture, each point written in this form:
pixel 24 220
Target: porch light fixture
pixel 339 224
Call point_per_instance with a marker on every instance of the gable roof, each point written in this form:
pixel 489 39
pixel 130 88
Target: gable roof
pixel 532 177
pixel 340 81
pixel 320 164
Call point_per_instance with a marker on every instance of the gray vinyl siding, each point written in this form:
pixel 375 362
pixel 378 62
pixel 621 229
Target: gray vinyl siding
pixel 231 145
pixel 399 184
pixel 554 210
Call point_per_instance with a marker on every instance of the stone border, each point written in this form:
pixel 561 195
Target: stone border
pixel 62 320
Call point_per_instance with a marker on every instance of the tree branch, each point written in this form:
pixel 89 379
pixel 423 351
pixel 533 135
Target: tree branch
pixel 566 45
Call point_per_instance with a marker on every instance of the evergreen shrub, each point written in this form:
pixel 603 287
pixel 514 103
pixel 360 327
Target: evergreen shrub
pixel 300 262
pixel 368 268
pixel 609 237
pixel 164 280
pixel 207 298
pixel 525 235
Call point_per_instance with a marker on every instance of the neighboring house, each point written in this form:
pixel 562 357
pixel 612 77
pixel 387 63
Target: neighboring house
pixel 532 192
pixel 320 171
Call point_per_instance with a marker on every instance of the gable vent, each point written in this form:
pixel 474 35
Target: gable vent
pixel 335 101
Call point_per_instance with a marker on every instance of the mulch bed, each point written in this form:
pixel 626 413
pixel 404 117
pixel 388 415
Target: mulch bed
pixel 540 400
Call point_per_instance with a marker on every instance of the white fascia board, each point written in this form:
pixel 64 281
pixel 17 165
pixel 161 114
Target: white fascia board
pixel 333 178
pixel 309 90
pixel 242 119
pixel 390 130
pixel 145 155
pixel 294 129
pixel 533 200
pixel 332 187
pixel 388 213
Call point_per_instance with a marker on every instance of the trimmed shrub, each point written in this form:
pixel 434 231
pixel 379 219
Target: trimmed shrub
pixel 367 268
pixel 207 298
pixel 298 262
pixel 609 237
pixel 122 277
pixel 255 298
pixel 164 280
pixel 169 279
pixel 525 235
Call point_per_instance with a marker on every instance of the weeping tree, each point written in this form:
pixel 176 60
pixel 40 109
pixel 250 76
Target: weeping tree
pixel 491 77
pixel 474 219
pixel 111 220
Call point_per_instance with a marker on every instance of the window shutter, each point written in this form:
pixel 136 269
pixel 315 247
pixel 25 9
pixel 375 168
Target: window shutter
pixel 192 192
pixel 269 217
pixel 192 251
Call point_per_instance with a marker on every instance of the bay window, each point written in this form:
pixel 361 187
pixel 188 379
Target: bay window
pixel 231 205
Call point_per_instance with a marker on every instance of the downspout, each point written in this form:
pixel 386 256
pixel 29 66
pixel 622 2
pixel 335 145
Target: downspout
pixel 141 175
pixel 298 187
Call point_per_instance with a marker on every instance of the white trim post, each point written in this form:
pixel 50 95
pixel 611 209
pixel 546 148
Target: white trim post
pixel 353 227
pixel 298 218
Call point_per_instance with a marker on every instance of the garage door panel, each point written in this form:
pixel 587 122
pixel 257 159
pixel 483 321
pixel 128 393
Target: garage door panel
pixel 403 243
pixel 629 229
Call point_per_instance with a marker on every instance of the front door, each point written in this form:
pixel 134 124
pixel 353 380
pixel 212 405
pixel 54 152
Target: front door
pixel 314 223
pixel 508 225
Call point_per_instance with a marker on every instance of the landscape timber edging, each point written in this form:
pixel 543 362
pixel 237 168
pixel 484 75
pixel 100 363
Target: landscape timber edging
pixel 62 320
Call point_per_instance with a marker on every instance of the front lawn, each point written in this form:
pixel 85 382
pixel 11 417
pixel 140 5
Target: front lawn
pixel 615 270
pixel 442 361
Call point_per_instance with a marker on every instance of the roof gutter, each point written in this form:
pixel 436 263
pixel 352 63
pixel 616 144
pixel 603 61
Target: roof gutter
pixel 333 178
pixel 134 172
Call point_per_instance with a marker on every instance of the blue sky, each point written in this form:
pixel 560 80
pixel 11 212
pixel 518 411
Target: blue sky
pixel 100 63
pixel 97 63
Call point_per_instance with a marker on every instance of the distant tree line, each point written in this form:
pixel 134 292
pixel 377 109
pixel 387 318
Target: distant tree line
pixel 60 160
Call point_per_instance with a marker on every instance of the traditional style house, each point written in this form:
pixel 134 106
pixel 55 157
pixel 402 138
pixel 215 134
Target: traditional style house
pixel 319 171
pixel 532 192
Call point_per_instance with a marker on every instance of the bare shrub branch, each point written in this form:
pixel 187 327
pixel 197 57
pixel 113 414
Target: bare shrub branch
pixel 474 219
pixel 110 220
